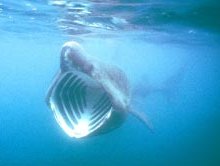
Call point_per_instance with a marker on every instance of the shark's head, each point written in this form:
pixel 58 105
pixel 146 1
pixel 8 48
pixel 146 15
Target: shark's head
pixel 73 56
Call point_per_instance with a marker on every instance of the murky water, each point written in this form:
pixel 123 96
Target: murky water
pixel 170 53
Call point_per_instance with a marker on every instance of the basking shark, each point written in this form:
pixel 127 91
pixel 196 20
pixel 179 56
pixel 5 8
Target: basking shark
pixel 87 96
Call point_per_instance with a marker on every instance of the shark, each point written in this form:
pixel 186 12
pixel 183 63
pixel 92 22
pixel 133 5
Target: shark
pixel 88 96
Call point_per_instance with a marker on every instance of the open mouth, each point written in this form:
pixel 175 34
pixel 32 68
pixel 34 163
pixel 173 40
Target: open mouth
pixel 79 104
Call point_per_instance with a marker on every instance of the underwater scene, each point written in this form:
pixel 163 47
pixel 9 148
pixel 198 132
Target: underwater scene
pixel 109 83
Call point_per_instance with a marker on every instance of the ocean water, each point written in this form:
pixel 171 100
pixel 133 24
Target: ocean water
pixel 170 51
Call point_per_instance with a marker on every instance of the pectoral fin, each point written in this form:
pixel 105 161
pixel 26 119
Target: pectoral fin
pixel 143 118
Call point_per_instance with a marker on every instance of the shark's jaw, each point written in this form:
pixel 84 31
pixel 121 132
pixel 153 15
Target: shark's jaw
pixel 79 104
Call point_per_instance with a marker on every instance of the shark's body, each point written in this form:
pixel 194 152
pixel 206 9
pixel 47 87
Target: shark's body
pixel 88 96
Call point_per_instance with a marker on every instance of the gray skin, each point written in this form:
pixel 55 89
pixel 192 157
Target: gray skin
pixel 112 79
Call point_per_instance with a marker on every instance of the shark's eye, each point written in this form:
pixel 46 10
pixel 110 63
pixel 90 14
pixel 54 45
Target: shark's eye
pixel 89 68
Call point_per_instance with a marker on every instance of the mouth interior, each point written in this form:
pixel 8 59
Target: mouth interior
pixel 79 104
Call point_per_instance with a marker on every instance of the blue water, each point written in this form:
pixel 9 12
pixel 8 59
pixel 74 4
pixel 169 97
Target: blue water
pixel 170 52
